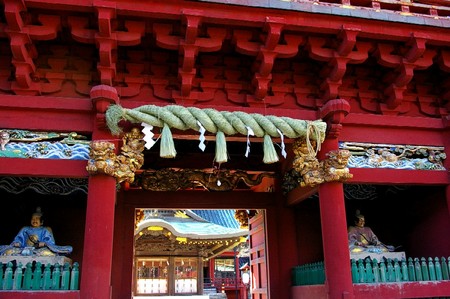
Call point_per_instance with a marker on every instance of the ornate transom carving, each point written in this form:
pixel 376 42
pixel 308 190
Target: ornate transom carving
pixel 216 180
pixel 368 155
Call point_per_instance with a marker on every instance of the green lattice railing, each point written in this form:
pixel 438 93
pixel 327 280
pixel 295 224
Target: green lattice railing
pixel 39 277
pixel 372 271
pixel 308 274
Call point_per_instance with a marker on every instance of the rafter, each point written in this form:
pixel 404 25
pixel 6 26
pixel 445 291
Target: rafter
pixel 348 51
pixel 417 57
pixel 266 51
pixel 22 35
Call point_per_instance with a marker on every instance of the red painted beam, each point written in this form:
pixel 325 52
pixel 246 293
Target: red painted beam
pixel 46 102
pixel 299 194
pixel 394 121
pixel 378 176
pixel 389 135
pixel 194 200
pixel 46 113
pixel 43 168
pixel 398 176
pixel 388 129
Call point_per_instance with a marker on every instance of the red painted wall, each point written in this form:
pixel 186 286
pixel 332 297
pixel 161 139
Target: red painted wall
pixel 430 237
pixel 309 235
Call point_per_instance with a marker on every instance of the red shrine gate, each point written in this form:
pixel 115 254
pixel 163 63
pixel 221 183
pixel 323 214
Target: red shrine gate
pixel 377 72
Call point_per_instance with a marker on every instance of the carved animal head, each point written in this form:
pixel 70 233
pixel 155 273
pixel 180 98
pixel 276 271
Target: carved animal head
pixel 101 149
pixel 338 158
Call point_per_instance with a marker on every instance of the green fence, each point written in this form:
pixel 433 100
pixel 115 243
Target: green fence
pixel 308 274
pixel 372 271
pixel 39 277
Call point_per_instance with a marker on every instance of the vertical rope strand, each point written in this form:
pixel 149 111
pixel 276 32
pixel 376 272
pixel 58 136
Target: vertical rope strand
pixel 270 154
pixel 221 148
pixel 167 149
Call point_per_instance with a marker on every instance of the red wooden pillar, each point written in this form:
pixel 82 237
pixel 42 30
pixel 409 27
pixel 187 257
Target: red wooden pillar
pixel 212 268
pixel 447 195
pixel 282 248
pixel 123 249
pixel 446 121
pixel 334 235
pixel 98 237
pixel 332 211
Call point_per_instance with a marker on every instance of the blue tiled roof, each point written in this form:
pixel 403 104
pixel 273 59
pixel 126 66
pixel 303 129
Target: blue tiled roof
pixel 192 228
pixel 220 217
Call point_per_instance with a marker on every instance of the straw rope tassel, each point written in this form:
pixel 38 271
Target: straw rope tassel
pixel 270 154
pixel 167 149
pixel 221 148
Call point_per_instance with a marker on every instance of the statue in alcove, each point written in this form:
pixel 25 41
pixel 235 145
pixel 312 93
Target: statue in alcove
pixel 362 239
pixel 35 240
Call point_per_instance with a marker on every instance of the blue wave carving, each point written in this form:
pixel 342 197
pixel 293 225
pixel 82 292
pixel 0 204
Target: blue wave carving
pixel 46 150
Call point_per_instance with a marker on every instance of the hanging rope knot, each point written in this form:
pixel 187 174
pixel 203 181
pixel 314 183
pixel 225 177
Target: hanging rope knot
pixel 308 138
pixel 314 130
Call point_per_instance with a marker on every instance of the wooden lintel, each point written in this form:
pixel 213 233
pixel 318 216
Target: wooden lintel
pixel 299 194
pixel 196 200
pixel 54 168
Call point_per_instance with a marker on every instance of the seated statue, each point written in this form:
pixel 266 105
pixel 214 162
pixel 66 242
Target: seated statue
pixel 35 240
pixel 362 239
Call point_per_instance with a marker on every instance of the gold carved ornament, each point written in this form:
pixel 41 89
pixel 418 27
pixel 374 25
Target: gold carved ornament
pixel 313 172
pixel 103 160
